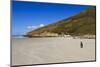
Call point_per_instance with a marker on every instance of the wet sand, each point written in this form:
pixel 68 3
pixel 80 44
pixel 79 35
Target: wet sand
pixel 51 50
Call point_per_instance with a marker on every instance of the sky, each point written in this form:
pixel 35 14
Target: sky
pixel 27 16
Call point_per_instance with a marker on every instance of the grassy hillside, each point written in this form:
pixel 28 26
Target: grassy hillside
pixel 80 24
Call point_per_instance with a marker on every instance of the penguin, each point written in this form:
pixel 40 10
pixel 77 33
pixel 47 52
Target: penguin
pixel 81 44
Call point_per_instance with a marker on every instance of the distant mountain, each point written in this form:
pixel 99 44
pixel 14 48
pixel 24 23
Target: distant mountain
pixel 81 24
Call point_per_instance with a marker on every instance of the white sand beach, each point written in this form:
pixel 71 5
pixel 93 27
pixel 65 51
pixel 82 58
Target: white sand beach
pixel 51 50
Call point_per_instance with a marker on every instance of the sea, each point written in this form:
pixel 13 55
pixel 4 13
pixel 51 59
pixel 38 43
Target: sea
pixel 18 36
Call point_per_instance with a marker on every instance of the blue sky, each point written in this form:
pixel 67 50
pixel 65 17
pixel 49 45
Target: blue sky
pixel 27 16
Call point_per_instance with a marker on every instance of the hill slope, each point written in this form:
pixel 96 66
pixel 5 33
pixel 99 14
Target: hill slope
pixel 80 24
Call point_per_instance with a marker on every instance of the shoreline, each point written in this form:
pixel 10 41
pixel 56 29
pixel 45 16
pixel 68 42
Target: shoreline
pixel 55 37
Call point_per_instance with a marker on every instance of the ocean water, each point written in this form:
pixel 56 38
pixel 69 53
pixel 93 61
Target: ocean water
pixel 18 36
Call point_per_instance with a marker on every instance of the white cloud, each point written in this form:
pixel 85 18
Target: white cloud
pixel 41 25
pixel 32 27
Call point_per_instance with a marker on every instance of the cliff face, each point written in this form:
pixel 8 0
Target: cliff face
pixel 81 24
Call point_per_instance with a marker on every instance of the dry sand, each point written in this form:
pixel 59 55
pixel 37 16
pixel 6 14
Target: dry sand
pixel 51 50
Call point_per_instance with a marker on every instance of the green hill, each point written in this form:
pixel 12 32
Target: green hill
pixel 80 24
